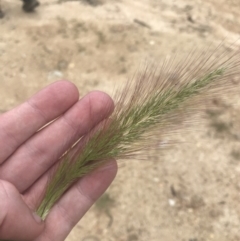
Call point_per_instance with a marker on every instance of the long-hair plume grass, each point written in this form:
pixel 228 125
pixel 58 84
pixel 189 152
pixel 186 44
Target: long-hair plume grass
pixel 147 109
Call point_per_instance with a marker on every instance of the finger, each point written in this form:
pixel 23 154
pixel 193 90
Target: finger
pixel 40 152
pixel 17 222
pixel 76 202
pixel 33 196
pixel 23 121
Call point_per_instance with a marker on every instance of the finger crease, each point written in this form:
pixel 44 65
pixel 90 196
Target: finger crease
pixel 69 123
pixel 65 216
pixel 36 109
pixel 79 189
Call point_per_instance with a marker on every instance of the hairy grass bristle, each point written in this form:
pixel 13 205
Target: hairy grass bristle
pixel 147 109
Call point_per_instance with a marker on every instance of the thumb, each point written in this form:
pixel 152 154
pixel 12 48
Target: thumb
pixel 17 222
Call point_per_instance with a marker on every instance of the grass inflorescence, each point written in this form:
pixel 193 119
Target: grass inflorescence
pixel 147 109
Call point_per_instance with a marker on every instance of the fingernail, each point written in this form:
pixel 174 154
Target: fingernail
pixel 37 218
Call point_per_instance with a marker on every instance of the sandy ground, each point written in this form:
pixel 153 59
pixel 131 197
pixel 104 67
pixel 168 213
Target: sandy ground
pixel 192 192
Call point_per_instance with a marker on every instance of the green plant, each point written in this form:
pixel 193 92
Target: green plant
pixel 147 110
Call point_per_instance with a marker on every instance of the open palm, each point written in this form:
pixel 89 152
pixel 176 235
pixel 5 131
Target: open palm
pixel 27 155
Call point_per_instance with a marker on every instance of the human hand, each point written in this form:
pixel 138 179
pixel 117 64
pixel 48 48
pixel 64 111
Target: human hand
pixel 27 155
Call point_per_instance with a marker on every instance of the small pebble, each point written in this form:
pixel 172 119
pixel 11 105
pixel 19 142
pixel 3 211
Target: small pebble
pixel 55 74
pixel 156 179
pixel 151 42
pixel 71 66
pixel 171 202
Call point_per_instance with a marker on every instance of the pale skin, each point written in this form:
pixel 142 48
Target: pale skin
pixel 27 156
